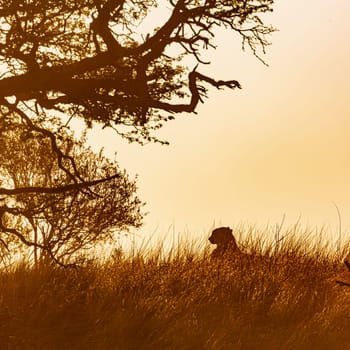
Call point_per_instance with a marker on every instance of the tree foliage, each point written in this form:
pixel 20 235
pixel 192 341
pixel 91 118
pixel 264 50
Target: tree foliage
pixel 58 226
pixel 88 59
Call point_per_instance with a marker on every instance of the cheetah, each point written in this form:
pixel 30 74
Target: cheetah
pixel 225 243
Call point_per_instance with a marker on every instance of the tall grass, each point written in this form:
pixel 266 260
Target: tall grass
pixel 282 297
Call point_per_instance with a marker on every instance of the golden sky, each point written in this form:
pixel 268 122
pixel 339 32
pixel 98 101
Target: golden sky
pixel 281 145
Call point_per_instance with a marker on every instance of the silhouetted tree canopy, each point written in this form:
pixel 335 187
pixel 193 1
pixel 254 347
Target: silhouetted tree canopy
pixel 106 62
pixel 60 226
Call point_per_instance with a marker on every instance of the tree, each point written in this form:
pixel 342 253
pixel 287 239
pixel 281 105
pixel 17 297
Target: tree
pixel 59 226
pixel 86 59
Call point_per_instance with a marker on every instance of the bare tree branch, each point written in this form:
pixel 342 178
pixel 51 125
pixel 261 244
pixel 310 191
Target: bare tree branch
pixel 59 189
pixel 105 74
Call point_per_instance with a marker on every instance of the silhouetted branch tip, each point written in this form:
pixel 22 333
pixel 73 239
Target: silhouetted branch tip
pixel 230 84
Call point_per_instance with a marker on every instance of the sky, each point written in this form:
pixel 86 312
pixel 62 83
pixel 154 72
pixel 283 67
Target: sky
pixel 280 147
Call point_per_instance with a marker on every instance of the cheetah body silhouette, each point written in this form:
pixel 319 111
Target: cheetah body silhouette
pixel 225 243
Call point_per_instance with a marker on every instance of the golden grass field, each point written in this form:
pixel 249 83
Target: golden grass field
pixel 282 297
